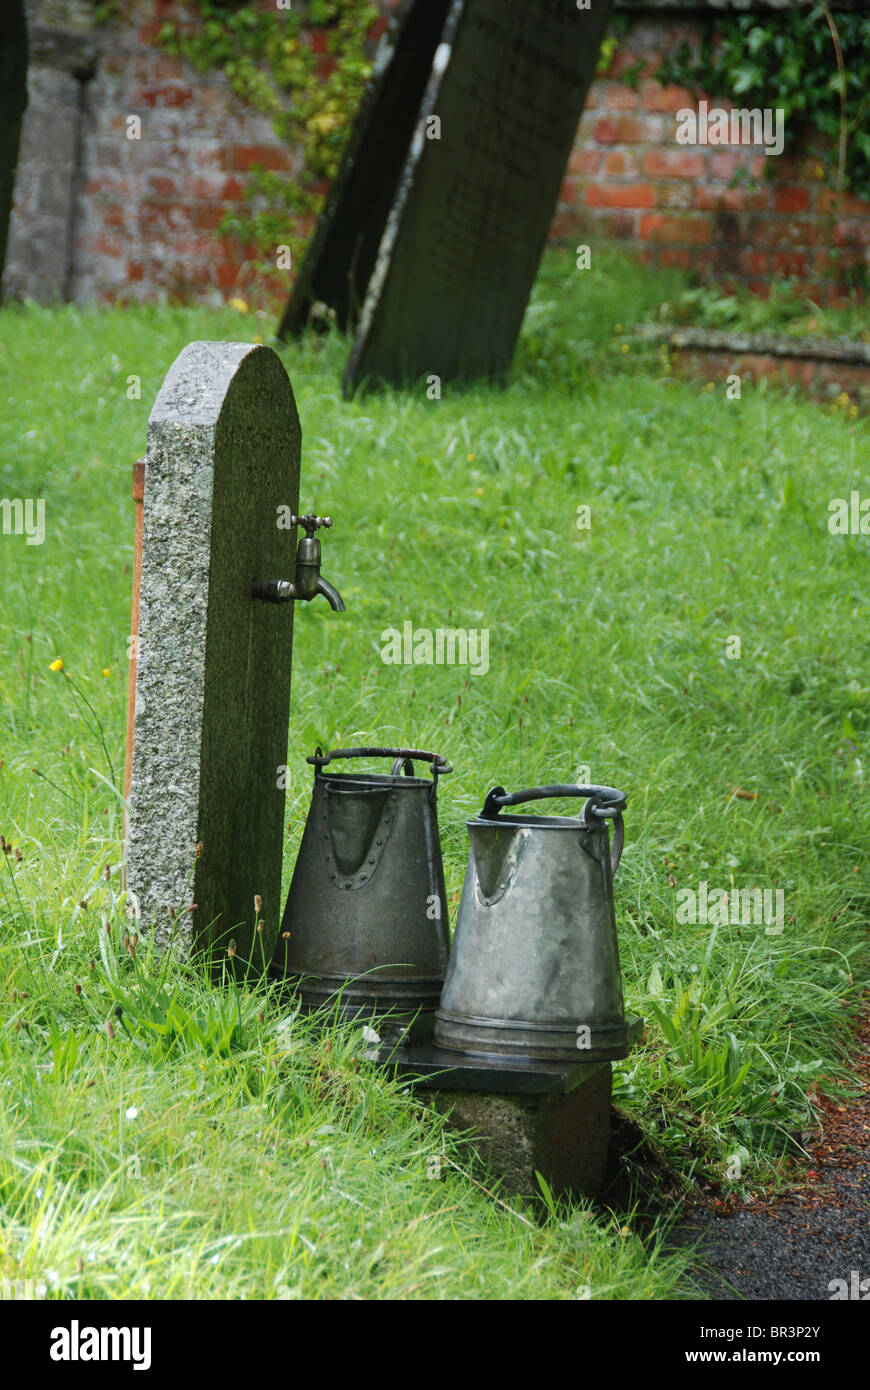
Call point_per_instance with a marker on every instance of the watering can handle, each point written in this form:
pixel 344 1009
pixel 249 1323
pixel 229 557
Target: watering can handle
pixel 607 803
pixel 401 757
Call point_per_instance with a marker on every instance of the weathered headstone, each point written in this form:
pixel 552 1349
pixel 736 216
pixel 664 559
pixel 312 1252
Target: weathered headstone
pixel 213 670
pixel 13 99
pixel 444 263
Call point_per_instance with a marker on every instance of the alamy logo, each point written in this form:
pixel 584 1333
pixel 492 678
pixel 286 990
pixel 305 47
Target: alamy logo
pixel 446 646
pixel 850 518
pixel 738 126
pixel 75 1343
pixel 741 907
pixel 25 1290
pixel 23 518
pixel 857 1288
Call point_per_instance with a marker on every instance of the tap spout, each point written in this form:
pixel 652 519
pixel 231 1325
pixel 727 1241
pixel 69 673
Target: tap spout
pixel 330 593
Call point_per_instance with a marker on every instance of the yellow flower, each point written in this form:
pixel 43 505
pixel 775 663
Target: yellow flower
pixel 711 386
pixel 478 492
pixel 625 347
pixel 470 458
pixel 56 665
pixel 107 670
pixel 258 337
pixel 617 328
pixel 239 305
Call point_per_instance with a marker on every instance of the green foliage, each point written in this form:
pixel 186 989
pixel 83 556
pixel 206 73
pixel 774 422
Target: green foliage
pixel 270 63
pixel 783 311
pixel 791 61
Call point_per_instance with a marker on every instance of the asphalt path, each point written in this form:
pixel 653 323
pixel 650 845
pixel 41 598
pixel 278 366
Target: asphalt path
pixel 810 1243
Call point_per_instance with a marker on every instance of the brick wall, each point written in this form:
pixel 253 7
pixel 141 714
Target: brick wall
pixel 98 215
pixel 149 207
pixel 726 210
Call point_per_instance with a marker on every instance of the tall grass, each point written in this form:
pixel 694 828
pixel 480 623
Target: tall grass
pixel 269 1160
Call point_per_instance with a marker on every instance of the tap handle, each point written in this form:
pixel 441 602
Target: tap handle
pixel 311 522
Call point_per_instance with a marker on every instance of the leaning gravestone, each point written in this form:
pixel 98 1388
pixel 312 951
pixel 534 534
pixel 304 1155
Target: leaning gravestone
pixel 13 99
pixel 213 670
pixel 438 216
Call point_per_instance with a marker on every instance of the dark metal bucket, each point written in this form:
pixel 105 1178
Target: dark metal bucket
pixel 367 908
pixel 534 968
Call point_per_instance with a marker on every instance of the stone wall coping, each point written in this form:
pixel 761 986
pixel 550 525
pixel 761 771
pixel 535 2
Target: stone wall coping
pixel 700 7
pixel 766 344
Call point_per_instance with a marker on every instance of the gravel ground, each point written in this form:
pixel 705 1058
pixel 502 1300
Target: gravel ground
pixel 795 1246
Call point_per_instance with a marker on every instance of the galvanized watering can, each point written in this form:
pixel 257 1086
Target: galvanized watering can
pixel 534 968
pixel 367 909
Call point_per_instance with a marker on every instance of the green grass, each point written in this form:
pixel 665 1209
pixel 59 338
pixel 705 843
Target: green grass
pixel 263 1160
pixel 787 310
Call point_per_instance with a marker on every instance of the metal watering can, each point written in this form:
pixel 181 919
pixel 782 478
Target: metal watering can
pixel 534 968
pixel 367 907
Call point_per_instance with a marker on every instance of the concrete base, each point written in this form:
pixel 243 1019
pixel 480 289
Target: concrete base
pixel 564 1137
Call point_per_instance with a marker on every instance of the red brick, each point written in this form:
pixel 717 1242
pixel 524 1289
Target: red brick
pixel 724 165
pixel 674 195
pixel 113 215
pixel 625 58
pixel 167 68
pixel 712 198
pixel 569 192
pixel 617 96
pixel 655 226
pixel 244 157
pixel 791 198
pixel 231 190
pixel 789 263
pixel 675 164
pixel 852 233
pixel 163 217
pixel 208 216
pixel 171 94
pixel 135 270
pixel 655 97
pixel 207 186
pixel 104 246
pixel 105 182
pixel 621 162
pixel 676 256
pixel 564 225
pixel 619 225
pixel 584 161
pixel 789 233
pixel 227 274
pixel 628 130
pixel 162 186
pixel 843 204
pixel 621 195
pixel 756 262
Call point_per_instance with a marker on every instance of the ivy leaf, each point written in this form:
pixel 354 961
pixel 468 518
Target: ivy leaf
pixel 747 76
pixel 757 38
